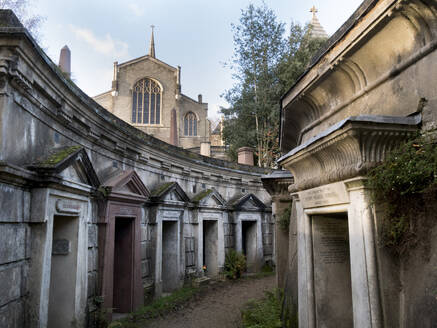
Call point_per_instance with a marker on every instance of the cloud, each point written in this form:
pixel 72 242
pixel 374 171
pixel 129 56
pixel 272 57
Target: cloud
pixel 135 9
pixel 107 45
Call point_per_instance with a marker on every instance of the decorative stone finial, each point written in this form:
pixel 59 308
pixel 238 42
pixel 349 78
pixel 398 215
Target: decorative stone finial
pixel 317 30
pixel 152 44
pixel 314 11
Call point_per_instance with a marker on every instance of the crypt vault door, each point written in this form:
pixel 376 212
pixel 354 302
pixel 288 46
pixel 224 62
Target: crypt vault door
pixel 63 269
pixel 123 264
pixel 248 240
pixel 210 246
pixel 332 273
pixel 170 240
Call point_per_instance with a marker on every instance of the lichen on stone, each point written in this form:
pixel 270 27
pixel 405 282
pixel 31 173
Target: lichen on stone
pixel 201 195
pixel 161 188
pixel 59 156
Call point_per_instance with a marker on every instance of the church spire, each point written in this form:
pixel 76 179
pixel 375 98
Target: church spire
pixel 152 44
pixel 317 30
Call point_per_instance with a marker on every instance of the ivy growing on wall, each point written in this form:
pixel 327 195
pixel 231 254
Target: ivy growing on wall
pixel 283 219
pixel 405 182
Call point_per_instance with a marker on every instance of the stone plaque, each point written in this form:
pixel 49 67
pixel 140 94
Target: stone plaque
pixel 171 214
pixel 68 206
pixel 61 247
pixel 331 194
pixel 332 275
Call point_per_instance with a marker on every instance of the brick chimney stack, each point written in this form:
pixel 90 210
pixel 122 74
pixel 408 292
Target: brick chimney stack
pixel 65 60
pixel 245 155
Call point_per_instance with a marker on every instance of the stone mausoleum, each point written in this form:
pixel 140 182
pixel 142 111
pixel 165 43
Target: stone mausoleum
pixel 371 87
pixel 94 212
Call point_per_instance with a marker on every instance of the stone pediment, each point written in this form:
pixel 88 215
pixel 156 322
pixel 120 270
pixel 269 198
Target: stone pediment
pixel 209 197
pixel 169 191
pixel 71 163
pixel 246 202
pixel 348 149
pixel 126 185
pixel 147 58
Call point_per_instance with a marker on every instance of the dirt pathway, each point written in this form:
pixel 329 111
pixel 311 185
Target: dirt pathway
pixel 219 307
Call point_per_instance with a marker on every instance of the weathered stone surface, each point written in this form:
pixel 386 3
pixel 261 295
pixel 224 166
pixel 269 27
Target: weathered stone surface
pixel 332 283
pixel 10 284
pixel 92 235
pixel 92 283
pixel 14 204
pixel 12 316
pixel 12 242
pixel 92 259
pixel 145 268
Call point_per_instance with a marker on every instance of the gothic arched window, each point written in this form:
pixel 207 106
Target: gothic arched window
pixel 146 102
pixel 190 124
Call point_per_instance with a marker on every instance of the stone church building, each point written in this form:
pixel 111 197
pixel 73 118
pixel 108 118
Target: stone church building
pixel 146 93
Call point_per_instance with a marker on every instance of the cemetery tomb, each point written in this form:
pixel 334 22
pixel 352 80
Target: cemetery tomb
pixel 123 265
pixel 169 256
pixel 332 274
pixel 62 294
pixel 210 249
pixel 248 231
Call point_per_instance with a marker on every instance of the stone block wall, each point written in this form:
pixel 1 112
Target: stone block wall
pixel 229 232
pixel 14 255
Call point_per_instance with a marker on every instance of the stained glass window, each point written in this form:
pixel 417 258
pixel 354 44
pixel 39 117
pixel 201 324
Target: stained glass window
pixel 146 102
pixel 190 124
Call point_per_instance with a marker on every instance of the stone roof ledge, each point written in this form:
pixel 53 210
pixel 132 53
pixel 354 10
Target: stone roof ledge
pixel 347 149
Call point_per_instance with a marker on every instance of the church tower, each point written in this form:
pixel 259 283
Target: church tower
pixel 317 30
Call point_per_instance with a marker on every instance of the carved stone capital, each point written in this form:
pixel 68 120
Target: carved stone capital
pixel 347 150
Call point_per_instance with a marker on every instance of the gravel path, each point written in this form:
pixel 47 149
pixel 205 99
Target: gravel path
pixel 219 307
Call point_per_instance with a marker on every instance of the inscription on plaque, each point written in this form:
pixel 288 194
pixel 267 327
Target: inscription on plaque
pixel 332 275
pixel 67 206
pixel 61 247
pixel 331 194
pixel 333 244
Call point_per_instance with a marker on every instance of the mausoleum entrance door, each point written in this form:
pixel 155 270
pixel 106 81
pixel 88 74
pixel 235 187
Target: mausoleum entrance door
pixel 332 274
pixel 63 271
pixel 210 247
pixel 248 242
pixel 120 241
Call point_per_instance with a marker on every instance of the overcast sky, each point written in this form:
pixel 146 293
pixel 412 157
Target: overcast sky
pixel 195 34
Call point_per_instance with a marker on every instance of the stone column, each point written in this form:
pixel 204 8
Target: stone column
pixel 364 276
pixel 305 274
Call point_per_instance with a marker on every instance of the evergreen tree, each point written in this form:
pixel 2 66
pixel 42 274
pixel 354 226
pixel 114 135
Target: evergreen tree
pixel 266 64
pixel 252 119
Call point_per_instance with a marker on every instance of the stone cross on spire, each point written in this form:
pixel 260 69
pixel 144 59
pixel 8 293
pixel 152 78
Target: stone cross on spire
pixel 152 44
pixel 314 11
pixel 317 31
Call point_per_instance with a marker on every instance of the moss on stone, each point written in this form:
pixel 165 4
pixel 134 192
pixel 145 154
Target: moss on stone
pixel 60 155
pixel 161 188
pixel 201 195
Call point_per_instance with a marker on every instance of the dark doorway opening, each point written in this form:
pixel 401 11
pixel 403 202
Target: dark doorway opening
pixel 123 265
pixel 248 236
pixel 63 270
pixel 170 266
pixel 210 247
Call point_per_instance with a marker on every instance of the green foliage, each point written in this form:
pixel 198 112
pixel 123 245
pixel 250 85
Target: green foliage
pixel 265 313
pixel 266 64
pixel 235 264
pixel 284 219
pixel 158 308
pixel 401 182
